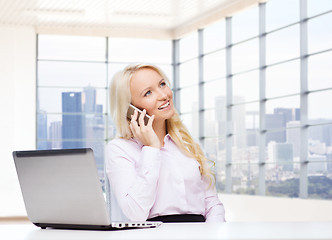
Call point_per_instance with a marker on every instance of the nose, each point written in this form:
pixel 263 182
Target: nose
pixel 162 94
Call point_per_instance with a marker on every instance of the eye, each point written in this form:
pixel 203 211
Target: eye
pixel 147 93
pixel 162 84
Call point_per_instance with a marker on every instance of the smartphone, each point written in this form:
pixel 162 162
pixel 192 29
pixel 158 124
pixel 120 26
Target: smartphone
pixel 131 111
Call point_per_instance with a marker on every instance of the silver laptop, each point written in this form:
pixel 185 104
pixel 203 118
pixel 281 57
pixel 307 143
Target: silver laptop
pixel 61 189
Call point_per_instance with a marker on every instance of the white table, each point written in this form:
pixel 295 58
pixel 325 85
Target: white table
pixel 229 230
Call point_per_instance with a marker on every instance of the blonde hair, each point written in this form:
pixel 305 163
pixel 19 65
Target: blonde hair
pixel 120 98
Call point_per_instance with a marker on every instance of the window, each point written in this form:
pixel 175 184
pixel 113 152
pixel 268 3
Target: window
pixel 245 25
pixel 266 93
pixel 71 93
pixel 254 89
pixel 280 75
pixel 214 37
pixel 280 13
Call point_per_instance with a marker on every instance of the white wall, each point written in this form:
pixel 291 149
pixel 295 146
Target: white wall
pixel 18 108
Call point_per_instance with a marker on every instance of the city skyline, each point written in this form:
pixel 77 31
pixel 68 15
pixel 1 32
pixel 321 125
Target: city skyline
pixel 80 125
pixel 82 122
pixel 283 118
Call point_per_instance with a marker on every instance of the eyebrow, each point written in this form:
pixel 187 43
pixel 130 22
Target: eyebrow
pixel 143 91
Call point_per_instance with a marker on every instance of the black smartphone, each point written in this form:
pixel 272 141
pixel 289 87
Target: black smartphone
pixel 131 111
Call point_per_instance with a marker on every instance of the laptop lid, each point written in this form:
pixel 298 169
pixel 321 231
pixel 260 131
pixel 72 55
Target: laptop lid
pixel 61 187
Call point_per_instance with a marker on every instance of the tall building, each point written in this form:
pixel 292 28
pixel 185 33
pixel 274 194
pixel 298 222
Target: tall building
pixel 55 131
pixel 288 114
pixel 239 120
pixel 220 103
pixel 284 155
pixel 280 157
pixel 275 121
pixel 89 109
pixel 94 125
pixel 72 120
pixel 323 133
pixel 278 120
pixel 89 99
pixel 220 117
pixel 239 123
pixel 293 136
pixel 99 111
pixel 42 131
pixel 297 114
pixel 252 128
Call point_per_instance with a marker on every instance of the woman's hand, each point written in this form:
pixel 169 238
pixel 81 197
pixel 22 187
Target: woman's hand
pixel 142 132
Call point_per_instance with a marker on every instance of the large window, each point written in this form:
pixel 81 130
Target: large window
pixel 255 90
pixel 71 93
pixel 72 87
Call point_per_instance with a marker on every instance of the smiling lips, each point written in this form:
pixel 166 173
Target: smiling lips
pixel 164 105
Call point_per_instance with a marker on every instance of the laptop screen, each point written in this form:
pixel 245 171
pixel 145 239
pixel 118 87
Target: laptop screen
pixel 61 186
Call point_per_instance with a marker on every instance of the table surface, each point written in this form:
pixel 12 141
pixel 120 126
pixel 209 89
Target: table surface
pixel 228 230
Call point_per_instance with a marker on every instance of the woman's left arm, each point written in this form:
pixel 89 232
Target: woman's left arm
pixel 214 209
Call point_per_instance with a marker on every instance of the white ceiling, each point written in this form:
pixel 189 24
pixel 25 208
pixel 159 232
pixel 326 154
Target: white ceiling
pixel 125 18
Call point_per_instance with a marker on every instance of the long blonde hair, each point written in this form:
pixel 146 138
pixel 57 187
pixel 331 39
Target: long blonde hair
pixel 120 98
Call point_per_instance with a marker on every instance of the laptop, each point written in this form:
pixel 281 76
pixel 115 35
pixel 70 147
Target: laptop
pixel 61 189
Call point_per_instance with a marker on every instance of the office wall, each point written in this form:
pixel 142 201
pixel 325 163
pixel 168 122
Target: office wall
pixel 18 107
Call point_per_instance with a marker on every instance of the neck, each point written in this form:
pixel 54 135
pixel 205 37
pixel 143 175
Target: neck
pixel 160 129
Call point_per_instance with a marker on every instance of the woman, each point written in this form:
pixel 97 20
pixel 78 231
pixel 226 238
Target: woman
pixel 156 170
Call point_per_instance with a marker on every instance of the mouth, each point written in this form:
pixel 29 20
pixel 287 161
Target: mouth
pixel 164 106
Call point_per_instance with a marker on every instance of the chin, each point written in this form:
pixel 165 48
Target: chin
pixel 170 115
pixel 165 116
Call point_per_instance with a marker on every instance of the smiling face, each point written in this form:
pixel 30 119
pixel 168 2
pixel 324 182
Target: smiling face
pixel 149 91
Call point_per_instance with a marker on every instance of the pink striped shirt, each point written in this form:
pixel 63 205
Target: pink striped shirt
pixel 150 182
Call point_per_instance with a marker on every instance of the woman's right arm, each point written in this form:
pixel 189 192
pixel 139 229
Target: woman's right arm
pixel 134 182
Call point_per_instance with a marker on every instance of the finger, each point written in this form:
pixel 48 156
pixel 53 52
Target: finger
pixel 134 116
pixel 135 128
pixel 150 121
pixel 133 122
pixel 132 128
pixel 141 118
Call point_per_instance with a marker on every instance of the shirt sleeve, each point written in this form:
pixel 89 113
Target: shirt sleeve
pixel 133 183
pixel 214 209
